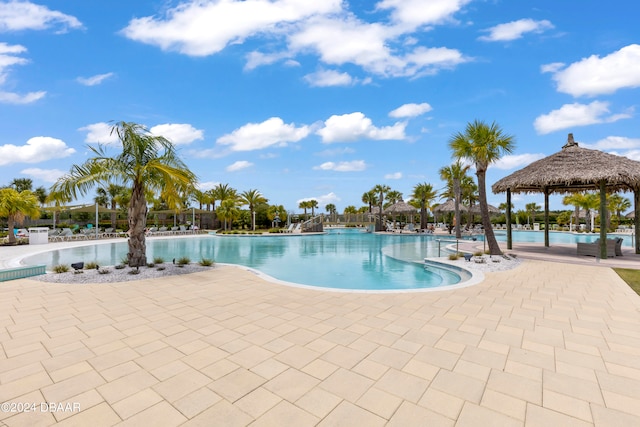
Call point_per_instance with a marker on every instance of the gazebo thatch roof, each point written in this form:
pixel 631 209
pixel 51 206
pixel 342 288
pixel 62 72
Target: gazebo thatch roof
pixel 400 208
pixel 573 169
pixel 448 206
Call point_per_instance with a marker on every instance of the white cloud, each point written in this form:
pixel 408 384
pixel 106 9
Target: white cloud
pixel 633 155
pixel 178 133
pixel 207 185
pixel 395 175
pixel 100 133
pixel 203 28
pixel 512 161
pixel 322 200
pixel 336 151
pixel 354 126
pixel 291 27
pixel 352 166
pixel 515 29
pixel 256 136
pixel 94 80
pixel 46 175
pixel 24 15
pixel 239 165
pixel 325 78
pixel 596 76
pixel 572 115
pixel 410 110
pixel 37 149
pixel 614 143
pixel 552 67
pixel 14 98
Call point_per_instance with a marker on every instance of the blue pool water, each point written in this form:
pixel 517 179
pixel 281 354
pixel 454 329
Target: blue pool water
pixel 556 237
pixel 340 259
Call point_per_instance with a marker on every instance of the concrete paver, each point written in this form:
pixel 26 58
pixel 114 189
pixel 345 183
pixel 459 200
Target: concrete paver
pixel 546 343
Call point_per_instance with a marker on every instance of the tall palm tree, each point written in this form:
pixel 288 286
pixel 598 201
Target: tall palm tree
pixel 531 209
pixel 22 184
pixel 424 194
pixel 453 175
pixel 618 204
pixel 468 196
pixel 348 211
pixel 576 200
pixel 380 190
pixel 393 197
pixel 331 210
pixel 228 211
pixel 252 198
pixel 15 206
pixel 146 163
pixel 304 205
pixel 370 198
pixel 590 203
pixel 483 144
pixel 313 204
pixel 42 194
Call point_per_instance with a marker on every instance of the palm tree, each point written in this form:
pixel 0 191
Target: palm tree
pixel 483 144
pixel 331 209
pixel 350 210
pixel 370 198
pixel 313 203
pixel 590 203
pixel 147 163
pixel 380 190
pixel 304 205
pixel 228 210
pixel 531 209
pixel 576 200
pixel 468 195
pixel 252 198
pixel 619 204
pixel 453 175
pixel 393 197
pixel 22 184
pixel 41 194
pixel 424 194
pixel 15 206
pixel 276 211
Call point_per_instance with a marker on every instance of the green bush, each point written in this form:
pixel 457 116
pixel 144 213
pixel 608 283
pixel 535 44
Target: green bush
pixel 61 268
pixel 183 261
pixel 150 265
pixel 158 260
pixel 206 262
pixel 120 266
pixel 478 253
pixel 90 265
pixel 455 256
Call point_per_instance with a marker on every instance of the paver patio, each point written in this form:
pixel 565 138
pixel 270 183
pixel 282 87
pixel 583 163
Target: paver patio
pixel 543 344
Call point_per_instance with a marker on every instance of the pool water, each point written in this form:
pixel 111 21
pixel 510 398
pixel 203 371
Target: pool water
pixel 340 259
pixel 557 237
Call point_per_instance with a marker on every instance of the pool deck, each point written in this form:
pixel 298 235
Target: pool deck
pixel 547 343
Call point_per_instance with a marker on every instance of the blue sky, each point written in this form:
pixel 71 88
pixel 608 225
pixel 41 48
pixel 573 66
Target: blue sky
pixel 316 99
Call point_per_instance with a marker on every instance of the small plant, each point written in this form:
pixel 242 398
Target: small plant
pixel 182 261
pixel 487 252
pixel 454 257
pixel 61 268
pixel 478 253
pixel 120 266
pixel 104 271
pixel 158 260
pixel 124 260
pixel 206 262
pixel 90 266
pixel 150 265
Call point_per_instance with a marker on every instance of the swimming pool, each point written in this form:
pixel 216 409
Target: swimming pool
pixel 557 237
pixel 340 259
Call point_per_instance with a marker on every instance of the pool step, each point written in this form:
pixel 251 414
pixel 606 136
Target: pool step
pixel 22 272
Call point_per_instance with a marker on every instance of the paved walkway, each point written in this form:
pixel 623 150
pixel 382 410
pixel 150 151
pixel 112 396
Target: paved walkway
pixel 545 344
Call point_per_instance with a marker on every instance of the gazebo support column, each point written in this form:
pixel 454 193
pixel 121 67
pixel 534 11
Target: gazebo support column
pixel 603 219
pixel 509 238
pixel 636 219
pixel 546 217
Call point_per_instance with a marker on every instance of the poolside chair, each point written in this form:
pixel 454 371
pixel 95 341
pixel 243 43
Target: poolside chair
pixel 618 249
pixel 65 234
pixel 162 231
pixel 593 249
pixel 290 228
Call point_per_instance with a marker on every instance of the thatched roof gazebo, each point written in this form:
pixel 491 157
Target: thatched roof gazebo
pixel 449 206
pixel 574 169
pixel 400 208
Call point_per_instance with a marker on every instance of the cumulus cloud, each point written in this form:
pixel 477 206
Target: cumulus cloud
pixel 256 136
pixel 204 28
pixel 352 166
pixel 552 67
pixel 37 149
pixel 614 143
pixel 324 28
pixel 239 165
pixel 178 133
pixel 354 126
pixel 94 80
pixel 207 185
pixel 24 15
pixel 99 133
pixel 410 110
pixel 46 175
pixel 8 58
pixel 395 175
pixel 322 200
pixel 512 161
pixel 597 76
pixel 325 78
pixel 515 29
pixel 572 115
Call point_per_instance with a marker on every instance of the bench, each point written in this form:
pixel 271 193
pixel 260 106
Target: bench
pixel 22 272
pixel 593 249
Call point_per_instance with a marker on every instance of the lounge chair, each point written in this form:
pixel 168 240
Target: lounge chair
pixel 593 249
pixel 290 228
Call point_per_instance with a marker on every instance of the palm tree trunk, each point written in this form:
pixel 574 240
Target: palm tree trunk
pixel 456 204
pixel 494 248
pixel 10 234
pixel 113 214
pixel 137 255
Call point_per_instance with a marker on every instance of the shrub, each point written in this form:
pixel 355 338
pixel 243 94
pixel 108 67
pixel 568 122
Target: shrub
pixel 454 257
pixel 150 265
pixel 90 266
pixel 61 268
pixel 206 262
pixel 478 253
pixel 183 261
pixel 158 260
pixel 124 260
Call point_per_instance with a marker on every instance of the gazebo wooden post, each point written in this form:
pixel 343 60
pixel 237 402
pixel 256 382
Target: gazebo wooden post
pixel 546 217
pixel 509 238
pixel 636 219
pixel 603 219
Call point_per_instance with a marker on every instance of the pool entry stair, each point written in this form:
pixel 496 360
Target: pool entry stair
pixel 22 272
